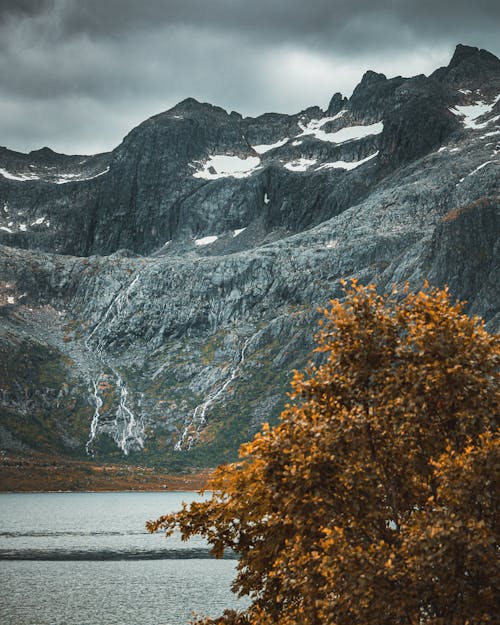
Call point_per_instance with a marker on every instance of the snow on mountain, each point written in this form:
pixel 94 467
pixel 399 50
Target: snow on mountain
pixel 222 165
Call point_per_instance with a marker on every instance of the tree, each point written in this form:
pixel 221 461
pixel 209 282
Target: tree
pixel 373 501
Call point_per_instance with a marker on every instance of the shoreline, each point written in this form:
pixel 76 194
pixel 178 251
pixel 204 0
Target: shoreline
pixel 39 473
pixel 82 492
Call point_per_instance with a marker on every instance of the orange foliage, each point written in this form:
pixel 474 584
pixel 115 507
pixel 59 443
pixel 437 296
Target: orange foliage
pixel 373 501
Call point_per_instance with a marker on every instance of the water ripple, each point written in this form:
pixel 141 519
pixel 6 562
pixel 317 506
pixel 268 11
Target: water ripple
pixel 98 555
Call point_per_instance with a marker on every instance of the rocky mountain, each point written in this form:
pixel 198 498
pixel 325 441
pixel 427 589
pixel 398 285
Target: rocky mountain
pixel 155 299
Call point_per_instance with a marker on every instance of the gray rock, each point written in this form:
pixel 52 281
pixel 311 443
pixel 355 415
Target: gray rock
pixel 161 312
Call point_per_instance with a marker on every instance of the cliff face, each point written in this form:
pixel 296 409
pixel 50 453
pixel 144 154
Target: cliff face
pixel 160 295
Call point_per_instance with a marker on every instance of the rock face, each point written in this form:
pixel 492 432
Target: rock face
pixel 154 300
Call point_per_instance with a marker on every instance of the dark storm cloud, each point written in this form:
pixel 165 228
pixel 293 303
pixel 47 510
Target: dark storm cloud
pixel 24 7
pixel 78 74
pixel 323 21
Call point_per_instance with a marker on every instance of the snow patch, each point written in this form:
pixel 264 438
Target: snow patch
pixel 295 143
pixel 300 164
pixel 349 133
pixel 474 171
pixel 480 167
pixel 6 229
pixel 223 165
pixel 206 240
pixel 10 299
pixel 238 231
pixel 266 199
pixel 64 178
pixel 332 244
pixel 23 227
pixel 347 164
pixel 262 149
pixel 21 177
pixel 38 221
pixel 97 175
pixel 471 112
pixel 486 134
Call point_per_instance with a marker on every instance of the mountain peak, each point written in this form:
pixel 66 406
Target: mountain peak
pixel 471 68
pixel 188 103
pixel 471 53
pixel 45 151
pixel 337 102
pixel 370 77
pixel 191 106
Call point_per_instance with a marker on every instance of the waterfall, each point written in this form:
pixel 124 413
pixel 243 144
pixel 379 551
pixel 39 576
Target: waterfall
pixel 129 431
pixel 126 429
pixel 94 425
pixel 194 424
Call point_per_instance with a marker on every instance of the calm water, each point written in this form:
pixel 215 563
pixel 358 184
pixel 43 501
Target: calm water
pixel 86 559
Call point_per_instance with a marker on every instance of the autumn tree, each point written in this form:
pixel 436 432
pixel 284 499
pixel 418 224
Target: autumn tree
pixel 373 501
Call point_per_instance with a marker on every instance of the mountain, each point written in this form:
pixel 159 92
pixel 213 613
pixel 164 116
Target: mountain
pixel 155 299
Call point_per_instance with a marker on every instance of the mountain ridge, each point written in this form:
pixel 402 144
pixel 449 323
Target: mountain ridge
pixel 159 295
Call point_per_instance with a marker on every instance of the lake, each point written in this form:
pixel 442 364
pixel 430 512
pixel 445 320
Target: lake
pixel 86 559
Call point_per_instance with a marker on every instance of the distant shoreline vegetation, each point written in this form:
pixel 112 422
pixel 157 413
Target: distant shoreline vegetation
pixel 41 473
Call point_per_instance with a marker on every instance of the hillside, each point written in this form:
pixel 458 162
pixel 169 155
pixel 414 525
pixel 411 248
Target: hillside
pixel 155 299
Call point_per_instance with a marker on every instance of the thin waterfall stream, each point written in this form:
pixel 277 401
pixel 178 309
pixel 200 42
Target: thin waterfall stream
pixel 126 429
pixel 195 422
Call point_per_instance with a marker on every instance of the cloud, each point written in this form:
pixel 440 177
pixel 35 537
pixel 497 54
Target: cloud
pixel 324 22
pixel 23 7
pixel 78 75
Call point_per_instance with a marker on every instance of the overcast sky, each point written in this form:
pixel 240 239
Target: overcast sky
pixel 77 75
